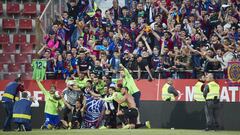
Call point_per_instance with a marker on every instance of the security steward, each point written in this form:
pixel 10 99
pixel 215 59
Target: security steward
pixel 92 8
pixel 169 93
pixel 22 113
pixel 198 89
pixel 211 94
pixel 9 97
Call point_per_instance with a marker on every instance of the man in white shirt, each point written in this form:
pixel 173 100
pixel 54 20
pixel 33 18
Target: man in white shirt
pixel 224 58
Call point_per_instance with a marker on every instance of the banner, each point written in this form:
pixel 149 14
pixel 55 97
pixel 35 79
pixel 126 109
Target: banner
pixel 234 73
pixel 149 90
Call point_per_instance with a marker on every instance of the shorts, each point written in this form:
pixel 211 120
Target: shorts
pixel 52 119
pixel 132 114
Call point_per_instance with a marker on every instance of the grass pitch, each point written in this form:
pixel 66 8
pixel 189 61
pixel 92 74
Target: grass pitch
pixel 123 132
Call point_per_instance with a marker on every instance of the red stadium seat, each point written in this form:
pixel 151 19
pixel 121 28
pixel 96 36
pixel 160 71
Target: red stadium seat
pixel 14 68
pixel 1 8
pixel 9 48
pixel 26 48
pixel 25 24
pixel 13 8
pixel 28 67
pixel 30 9
pixel 9 24
pixel 4 38
pixel 42 7
pixel 10 76
pixel 1 67
pixel 5 67
pixel 21 58
pixel 27 76
pixel 32 39
pixel 19 39
pixel 5 58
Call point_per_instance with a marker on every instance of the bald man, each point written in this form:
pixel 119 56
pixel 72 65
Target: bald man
pixel 169 93
pixel 211 94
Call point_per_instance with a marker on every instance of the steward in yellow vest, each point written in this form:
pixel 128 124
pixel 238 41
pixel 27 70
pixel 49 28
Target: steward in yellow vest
pixel 198 90
pixel 92 8
pixel 211 93
pixel 212 89
pixel 168 91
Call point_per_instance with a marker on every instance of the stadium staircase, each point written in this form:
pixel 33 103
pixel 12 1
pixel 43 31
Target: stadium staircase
pixel 17 36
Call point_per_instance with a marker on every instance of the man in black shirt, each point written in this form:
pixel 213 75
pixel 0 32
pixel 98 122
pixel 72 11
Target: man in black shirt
pixel 76 110
pixel 115 10
pixel 82 64
pixel 143 64
pixel 73 7
pixel 125 19
pixel 97 69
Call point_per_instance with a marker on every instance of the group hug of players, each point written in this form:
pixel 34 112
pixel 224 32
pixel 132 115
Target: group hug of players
pixel 88 102
pixel 101 103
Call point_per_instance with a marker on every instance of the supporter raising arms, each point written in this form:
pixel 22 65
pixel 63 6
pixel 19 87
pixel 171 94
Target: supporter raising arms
pixel 54 103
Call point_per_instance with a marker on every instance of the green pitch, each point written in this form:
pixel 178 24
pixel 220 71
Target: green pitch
pixel 123 132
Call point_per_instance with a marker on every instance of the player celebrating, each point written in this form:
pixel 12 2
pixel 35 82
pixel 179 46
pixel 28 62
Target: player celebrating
pixel 128 82
pixel 53 104
pixel 114 96
pixel 132 112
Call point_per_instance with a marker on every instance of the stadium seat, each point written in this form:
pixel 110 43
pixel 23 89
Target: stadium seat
pixel 10 76
pixel 9 48
pixel 1 67
pixel 13 8
pixel 42 7
pixel 21 58
pixel 5 58
pixel 32 39
pixel 26 48
pixel 30 9
pixel 5 67
pixel 9 24
pixel 1 8
pixel 28 67
pixel 25 24
pixel 27 76
pixel 4 38
pixel 19 38
pixel 14 67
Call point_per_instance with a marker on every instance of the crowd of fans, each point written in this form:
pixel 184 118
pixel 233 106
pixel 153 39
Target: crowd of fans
pixel 176 38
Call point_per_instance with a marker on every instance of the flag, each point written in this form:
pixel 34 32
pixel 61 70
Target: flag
pixel 93 114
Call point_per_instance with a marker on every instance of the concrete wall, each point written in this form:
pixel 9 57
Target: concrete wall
pixel 183 115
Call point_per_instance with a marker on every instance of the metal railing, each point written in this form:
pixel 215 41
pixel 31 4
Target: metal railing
pixel 175 73
pixel 52 8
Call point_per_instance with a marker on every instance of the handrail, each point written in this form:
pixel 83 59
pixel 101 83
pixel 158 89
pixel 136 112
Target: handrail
pixel 144 71
pixel 45 9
